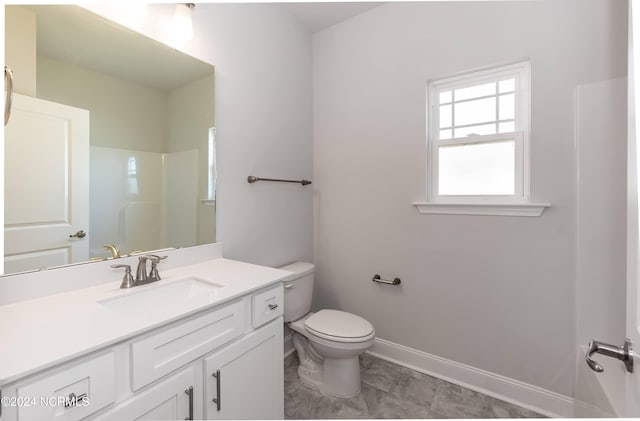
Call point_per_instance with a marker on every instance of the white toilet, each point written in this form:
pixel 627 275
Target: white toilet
pixel 328 342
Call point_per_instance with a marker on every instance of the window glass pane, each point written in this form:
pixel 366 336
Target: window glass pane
pixel 508 85
pixel 445 134
pixel 507 127
pixel 507 104
pixel 471 130
pixel 477 169
pixel 446 119
pixel 475 91
pixel 445 97
pixel 478 111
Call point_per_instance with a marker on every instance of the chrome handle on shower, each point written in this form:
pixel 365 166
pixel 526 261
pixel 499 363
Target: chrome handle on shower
pixel 622 353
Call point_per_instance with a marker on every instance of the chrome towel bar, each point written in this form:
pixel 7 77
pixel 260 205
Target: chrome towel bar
pixel 378 279
pixel 253 179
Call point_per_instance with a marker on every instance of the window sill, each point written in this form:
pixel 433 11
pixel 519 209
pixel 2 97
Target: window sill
pixel 478 208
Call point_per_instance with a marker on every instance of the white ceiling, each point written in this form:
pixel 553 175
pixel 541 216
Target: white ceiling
pixel 75 35
pixel 318 16
pixel 78 36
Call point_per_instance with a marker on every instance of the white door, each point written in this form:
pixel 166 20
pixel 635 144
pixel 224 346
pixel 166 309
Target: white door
pixel 46 185
pixel 247 368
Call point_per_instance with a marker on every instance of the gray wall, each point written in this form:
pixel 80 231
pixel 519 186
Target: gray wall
pixel 263 115
pixel 496 293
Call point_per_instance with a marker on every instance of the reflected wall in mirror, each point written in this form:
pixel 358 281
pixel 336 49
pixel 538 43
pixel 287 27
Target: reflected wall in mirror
pixel 112 133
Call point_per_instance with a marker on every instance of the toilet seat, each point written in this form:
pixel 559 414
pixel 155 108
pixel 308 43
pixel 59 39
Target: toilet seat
pixel 339 326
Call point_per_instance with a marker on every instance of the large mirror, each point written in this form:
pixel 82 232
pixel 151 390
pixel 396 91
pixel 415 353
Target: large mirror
pixel 113 153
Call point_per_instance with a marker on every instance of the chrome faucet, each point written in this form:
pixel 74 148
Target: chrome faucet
pixel 115 253
pixel 141 272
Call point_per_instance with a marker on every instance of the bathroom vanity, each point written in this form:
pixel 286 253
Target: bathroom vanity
pixel 205 342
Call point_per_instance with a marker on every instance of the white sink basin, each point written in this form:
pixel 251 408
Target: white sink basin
pixel 189 292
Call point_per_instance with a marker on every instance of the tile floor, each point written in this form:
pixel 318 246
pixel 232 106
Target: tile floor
pixel 393 391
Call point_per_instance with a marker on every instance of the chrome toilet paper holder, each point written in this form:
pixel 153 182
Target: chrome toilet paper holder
pixel 378 279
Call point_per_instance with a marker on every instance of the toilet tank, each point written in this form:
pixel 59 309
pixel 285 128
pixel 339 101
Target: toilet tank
pixel 298 290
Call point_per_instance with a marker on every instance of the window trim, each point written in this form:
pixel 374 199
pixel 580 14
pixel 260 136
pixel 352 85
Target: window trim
pixel 486 208
pixel 508 205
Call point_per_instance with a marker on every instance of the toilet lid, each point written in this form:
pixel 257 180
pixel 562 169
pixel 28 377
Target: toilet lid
pixel 338 324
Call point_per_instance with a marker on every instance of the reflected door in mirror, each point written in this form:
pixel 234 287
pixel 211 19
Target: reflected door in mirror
pixel 47 185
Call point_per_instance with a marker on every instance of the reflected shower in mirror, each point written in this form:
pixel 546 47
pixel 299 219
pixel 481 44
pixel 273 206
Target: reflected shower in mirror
pixel 150 144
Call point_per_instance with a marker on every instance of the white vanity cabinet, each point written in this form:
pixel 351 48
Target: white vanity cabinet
pixel 173 398
pixel 240 378
pixel 166 372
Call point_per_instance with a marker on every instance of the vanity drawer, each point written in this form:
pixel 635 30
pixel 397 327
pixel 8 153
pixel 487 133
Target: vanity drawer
pixel 93 378
pixel 267 305
pixel 164 351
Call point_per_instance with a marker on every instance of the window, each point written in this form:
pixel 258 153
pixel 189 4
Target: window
pixel 479 124
pixel 478 134
pixel 212 171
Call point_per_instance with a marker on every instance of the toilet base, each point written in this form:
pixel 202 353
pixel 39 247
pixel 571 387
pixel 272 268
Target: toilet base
pixel 337 377
pixel 341 377
pixel 310 377
pixel 340 381
pixel 310 368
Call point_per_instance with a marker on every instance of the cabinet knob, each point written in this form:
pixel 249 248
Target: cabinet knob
pixel 273 306
pixel 73 399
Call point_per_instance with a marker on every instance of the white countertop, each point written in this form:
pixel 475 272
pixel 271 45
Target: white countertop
pixel 40 333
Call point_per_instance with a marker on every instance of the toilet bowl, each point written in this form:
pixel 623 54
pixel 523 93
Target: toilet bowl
pixel 328 342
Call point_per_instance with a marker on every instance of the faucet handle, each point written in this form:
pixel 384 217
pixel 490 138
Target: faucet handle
pixel 127 279
pixel 155 259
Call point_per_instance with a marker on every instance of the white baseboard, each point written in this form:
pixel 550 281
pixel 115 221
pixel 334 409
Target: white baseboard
pixel 513 391
pixel 586 410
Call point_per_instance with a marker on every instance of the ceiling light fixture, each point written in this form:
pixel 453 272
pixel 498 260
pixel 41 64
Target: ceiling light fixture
pixel 181 25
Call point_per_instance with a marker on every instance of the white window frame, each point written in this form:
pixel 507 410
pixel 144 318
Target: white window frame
pixel 517 204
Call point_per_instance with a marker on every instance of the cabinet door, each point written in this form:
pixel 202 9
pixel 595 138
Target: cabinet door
pixel 247 377
pixel 167 400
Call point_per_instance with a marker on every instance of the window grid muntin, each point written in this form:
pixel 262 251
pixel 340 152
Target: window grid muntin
pixel 497 96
